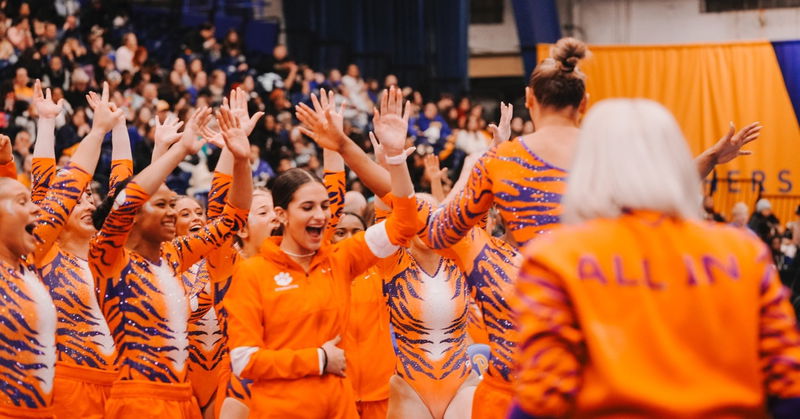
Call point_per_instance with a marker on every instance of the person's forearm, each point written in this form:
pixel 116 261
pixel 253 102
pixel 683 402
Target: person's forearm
pixel 151 178
pixel 45 138
pixel 225 162
pixel 374 177
pixel 88 151
pixel 121 143
pixel 332 161
pixel 241 191
pixel 706 162
pixel 401 181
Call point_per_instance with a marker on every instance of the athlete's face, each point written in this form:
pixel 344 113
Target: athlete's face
pixel 306 216
pixel 348 226
pixel 80 220
pixel 157 218
pixel 261 220
pixel 17 219
pixel 191 216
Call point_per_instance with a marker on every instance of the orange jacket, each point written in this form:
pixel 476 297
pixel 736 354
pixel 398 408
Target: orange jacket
pixel 368 340
pixel 653 317
pixel 279 314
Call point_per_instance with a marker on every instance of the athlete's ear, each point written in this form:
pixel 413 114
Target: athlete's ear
pixel 280 215
pixel 243 233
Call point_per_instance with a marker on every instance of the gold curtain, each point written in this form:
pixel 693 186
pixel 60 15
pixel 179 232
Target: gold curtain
pixel 706 86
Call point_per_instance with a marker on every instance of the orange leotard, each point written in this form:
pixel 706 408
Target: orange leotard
pixel 145 303
pixel 649 316
pixel 28 326
pixel 525 189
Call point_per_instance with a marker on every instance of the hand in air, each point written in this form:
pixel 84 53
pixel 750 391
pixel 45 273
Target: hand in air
pixel 321 127
pixel 327 100
pixel 730 146
pixel 43 102
pixel 106 114
pixel 238 107
pixel 233 134
pixel 167 133
pixel 432 170
pixel 190 138
pixel 6 151
pixel 391 122
pixel 337 362
pixel 502 131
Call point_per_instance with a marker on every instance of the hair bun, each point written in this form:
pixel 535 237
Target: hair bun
pixel 568 52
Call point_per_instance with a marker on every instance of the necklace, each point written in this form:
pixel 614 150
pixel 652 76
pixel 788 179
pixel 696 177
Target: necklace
pixel 299 256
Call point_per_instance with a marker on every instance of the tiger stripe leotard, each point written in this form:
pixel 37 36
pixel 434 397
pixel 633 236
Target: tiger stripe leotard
pixel 525 189
pixel 145 303
pixel 27 313
pixel 82 337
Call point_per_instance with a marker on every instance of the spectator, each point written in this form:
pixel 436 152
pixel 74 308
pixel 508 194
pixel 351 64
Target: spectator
pixel 430 130
pixel 125 53
pixel 22 148
pixel 19 34
pixel 262 172
pixel 763 222
pixel 710 214
pixel 739 214
pixel 22 85
pixel 472 140
pixel 355 203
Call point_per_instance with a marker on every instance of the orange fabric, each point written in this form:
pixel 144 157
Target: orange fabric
pixel 325 397
pixel 80 392
pixel 671 318
pixel 218 194
pixel 137 399
pixel 28 347
pixel 8 170
pixel 705 86
pixel 130 284
pixel 42 171
pixel 82 336
pixel 14 412
pixel 526 190
pixel 491 402
pixel 476 328
pixel 231 386
pixel 120 170
pixel 373 410
pixel 368 340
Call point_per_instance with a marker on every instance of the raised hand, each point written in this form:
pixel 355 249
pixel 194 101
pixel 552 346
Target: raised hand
pixel 327 100
pixel 730 146
pixel 432 170
pixel 190 138
pixel 502 131
pixel 212 136
pixel 238 107
pixel 6 151
pixel 167 133
pixel 44 104
pixel 321 128
pixel 106 114
pixel 233 134
pixel 391 122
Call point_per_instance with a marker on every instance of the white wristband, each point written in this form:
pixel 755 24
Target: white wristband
pixel 397 160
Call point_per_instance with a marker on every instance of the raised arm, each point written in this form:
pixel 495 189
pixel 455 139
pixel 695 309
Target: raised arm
pixel 165 135
pixel 435 174
pixel 324 132
pixel 121 157
pixel 727 148
pixel 502 131
pixel 7 167
pixel 44 157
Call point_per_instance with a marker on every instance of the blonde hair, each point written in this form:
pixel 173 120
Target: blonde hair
pixel 631 155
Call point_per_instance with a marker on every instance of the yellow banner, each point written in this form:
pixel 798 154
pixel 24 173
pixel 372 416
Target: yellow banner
pixel 706 86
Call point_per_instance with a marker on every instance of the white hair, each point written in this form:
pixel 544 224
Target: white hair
pixel 631 155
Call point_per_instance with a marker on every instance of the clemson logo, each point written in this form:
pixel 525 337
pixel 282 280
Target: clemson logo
pixel 283 279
